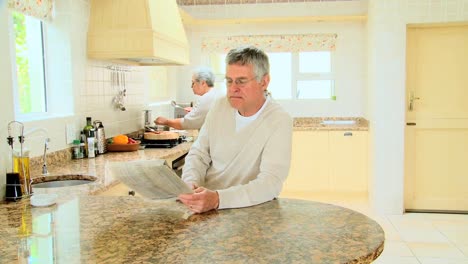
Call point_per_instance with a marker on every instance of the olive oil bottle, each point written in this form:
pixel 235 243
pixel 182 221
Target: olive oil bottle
pixel 21 166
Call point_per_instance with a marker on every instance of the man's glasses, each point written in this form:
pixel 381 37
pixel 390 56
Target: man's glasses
pixel 193 82
pixel 241 82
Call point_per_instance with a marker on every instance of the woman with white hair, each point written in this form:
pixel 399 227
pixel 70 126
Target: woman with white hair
pixel 203 85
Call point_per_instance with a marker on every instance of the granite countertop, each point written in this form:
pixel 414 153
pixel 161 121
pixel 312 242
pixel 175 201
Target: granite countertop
pixel 97 167
pixel 127 229
pixel 330 123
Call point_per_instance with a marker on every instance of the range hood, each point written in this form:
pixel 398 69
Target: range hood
pixel 137 32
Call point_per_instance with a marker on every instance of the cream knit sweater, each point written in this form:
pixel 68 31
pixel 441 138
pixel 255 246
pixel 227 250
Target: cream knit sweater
pixel 246 167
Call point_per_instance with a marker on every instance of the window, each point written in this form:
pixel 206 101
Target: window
pixel 294 75
pixel 29 63
pixel 281 75
pixel 315 75
pixel 218 65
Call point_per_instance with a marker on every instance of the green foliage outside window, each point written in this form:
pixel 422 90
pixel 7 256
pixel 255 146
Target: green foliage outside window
pixel 22 63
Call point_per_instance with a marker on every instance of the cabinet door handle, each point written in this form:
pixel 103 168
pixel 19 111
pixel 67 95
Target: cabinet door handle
pixel 348 134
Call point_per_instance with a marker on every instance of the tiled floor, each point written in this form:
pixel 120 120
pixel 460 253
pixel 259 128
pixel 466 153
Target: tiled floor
pixel 412 238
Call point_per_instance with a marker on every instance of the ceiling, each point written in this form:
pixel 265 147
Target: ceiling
pixel 231 2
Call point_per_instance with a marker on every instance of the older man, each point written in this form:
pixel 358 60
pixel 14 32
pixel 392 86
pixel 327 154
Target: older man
pixel 242 155
pixel 203 85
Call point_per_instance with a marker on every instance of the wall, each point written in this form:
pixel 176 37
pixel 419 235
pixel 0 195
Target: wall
pixel 350 86
pixel 83 86
pixel 387 22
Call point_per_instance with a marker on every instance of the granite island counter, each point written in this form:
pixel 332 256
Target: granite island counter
pixel 127 229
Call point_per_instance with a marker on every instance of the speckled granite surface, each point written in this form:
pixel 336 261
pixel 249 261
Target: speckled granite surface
pixel 316 123
pixel 97 229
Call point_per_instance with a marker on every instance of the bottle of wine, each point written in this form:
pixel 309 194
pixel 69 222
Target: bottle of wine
pixel 88 127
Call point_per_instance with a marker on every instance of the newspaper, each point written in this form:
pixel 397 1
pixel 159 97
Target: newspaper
pixel 151 179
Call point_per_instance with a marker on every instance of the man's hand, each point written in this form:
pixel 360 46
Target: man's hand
pixel 187 109
pixel 202 200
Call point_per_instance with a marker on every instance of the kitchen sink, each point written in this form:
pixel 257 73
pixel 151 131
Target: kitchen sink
pixel 58 181
pixel 339 122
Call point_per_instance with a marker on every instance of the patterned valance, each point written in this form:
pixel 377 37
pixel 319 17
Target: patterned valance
pixel 41 9
pixel 272 43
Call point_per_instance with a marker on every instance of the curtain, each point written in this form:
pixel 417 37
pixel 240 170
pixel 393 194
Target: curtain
pixel 41 9
pixel 272 43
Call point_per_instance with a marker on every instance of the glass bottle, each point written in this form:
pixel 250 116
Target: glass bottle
pixel 77 154
pixel 21 166
pixel 88 127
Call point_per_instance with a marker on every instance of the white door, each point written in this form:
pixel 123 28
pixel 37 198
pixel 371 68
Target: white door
pixel 436 147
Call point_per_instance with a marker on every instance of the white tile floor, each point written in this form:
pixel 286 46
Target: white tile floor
pixel 412 238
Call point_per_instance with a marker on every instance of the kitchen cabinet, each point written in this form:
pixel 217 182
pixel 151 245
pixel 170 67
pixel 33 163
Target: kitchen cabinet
pixel 328 161
pixel 310 162
pixel 348 160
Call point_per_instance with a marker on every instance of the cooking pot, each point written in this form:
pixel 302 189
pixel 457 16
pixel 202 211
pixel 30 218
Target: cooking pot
pixel 161 135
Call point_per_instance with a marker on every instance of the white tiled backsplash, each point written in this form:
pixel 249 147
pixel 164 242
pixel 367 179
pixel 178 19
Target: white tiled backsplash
pixel 99 92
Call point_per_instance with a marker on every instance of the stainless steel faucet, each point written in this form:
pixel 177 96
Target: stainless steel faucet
pixel 44 166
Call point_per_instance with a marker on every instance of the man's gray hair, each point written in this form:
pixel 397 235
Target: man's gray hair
pixel 204 74
pixel 250 55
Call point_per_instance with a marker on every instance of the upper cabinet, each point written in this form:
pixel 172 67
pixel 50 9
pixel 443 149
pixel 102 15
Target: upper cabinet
pixel 138 32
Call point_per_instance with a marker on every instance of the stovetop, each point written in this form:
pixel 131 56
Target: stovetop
pixel 162 143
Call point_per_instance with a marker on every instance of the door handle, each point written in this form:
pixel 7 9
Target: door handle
pixel 411 101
